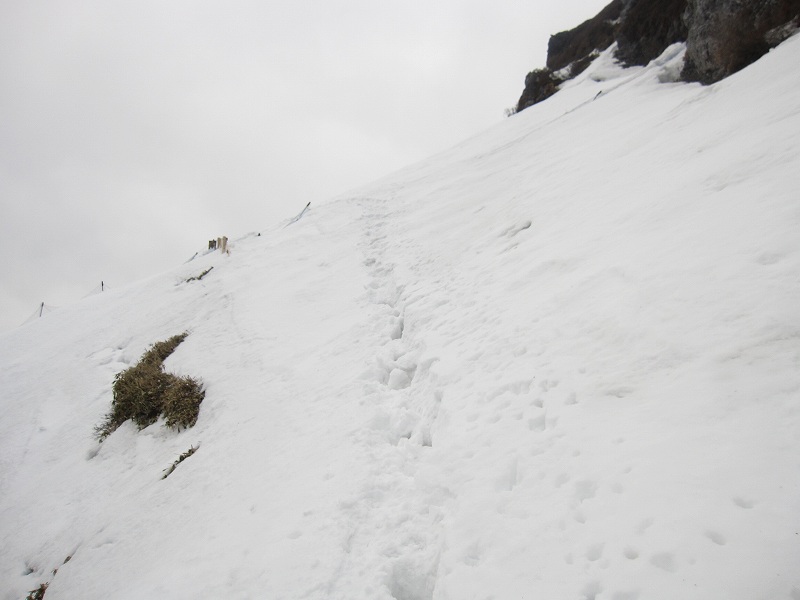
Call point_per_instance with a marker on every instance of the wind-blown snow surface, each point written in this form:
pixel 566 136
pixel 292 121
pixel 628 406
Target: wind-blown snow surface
pixel 559 361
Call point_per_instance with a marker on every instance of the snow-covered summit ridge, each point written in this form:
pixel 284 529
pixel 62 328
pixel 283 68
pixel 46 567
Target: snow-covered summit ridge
pixel 560 360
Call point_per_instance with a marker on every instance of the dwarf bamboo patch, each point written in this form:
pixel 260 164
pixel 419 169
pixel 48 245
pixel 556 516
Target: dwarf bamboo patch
pixel 145 391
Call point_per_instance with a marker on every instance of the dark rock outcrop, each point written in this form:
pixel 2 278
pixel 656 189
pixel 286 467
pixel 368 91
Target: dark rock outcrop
pixel 569 53
pixel 647 28
pixel 540 84
pixel 722 37
pixel 727 35
pixel 597 33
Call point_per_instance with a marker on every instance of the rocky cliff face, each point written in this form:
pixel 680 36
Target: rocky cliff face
pixel 597 33
pixel 646 28
pixel 727 35
pixel 722 36
pixel 570 52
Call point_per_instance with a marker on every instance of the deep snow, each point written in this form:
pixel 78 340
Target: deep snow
pixel 561 360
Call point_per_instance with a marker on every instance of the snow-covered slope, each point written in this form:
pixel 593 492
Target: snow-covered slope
pixel 561 361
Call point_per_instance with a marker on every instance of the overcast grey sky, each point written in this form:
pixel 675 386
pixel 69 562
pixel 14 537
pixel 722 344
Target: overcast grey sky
pixel 132 132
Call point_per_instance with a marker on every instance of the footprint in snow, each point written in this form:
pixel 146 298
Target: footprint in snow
pixel 515 229
pixel 664 561
pixel 716 537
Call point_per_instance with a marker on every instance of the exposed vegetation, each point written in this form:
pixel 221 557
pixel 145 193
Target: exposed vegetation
pixel 181 402
pixel 159 351
pixel 38 593
pixel 199 277
pixel 181 458
pixel 144 392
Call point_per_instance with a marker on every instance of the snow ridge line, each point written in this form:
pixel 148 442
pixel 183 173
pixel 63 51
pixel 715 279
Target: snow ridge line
pixel 394 512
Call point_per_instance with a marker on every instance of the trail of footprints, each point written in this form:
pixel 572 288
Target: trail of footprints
pixel 397 364
pixel 407 402
pixel 391 512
